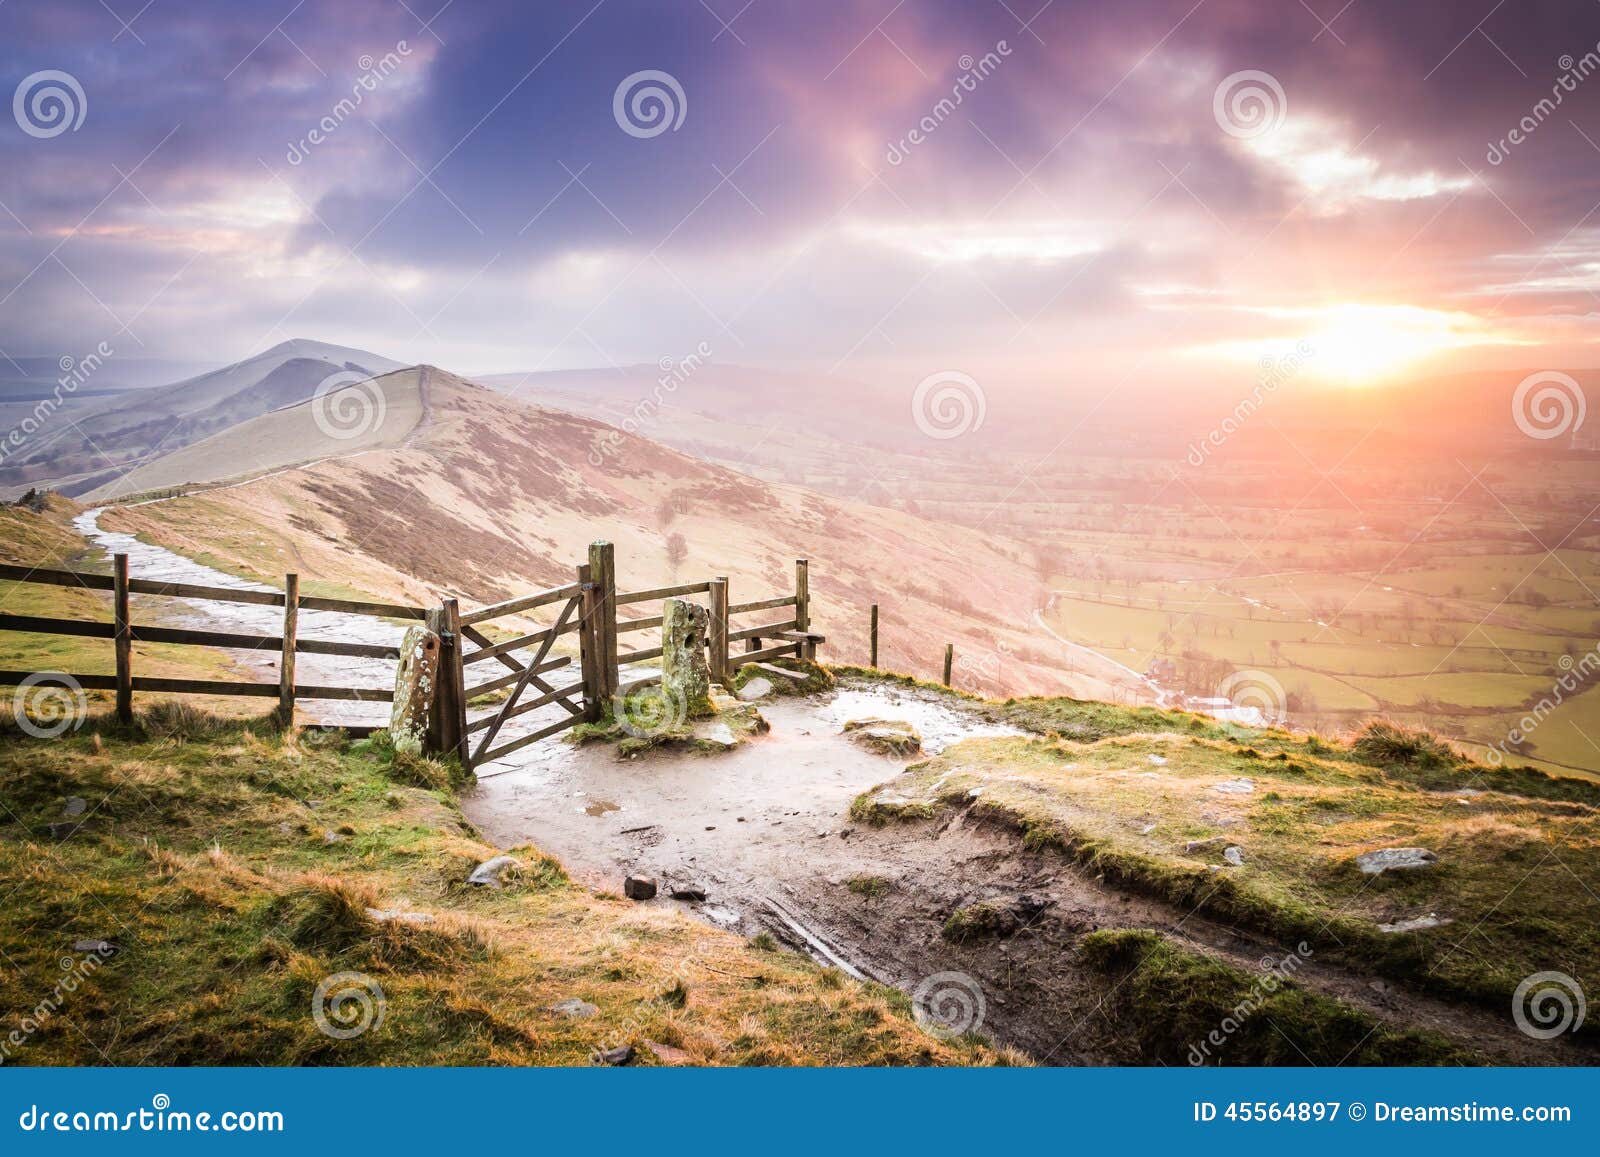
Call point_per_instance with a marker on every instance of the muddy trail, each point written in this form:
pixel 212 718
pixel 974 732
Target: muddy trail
pixel 760 839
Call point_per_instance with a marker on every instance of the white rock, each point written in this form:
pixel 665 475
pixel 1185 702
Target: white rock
pixel 1234 855
pixel 1377 862
pixel 757 688
pixel 399 916
pixel 1416 924
pixel 490 873
pixel 575 1008
pixel 1241 786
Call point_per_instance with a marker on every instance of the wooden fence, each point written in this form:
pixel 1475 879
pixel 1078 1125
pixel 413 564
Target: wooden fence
pixel 518 665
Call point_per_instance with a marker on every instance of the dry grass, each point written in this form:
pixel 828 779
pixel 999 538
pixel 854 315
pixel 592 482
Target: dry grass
pixel 238 870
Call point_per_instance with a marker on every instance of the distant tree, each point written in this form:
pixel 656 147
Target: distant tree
pixel 677 550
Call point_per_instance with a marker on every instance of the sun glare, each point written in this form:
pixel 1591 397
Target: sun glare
pixel 1360 345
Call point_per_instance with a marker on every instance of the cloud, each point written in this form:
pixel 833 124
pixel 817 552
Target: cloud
pixel 242 176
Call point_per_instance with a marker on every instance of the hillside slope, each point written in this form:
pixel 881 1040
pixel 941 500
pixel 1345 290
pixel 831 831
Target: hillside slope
pixel 491 497
pixel 109 435
pixel 350 419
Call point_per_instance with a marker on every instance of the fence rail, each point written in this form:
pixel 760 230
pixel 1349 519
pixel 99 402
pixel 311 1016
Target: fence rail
pixel 123 633
pixel 586 607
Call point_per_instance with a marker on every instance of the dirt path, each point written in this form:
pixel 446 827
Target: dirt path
pixel 763 833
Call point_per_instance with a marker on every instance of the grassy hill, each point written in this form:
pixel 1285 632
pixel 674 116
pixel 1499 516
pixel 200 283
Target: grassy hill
pixel 490 497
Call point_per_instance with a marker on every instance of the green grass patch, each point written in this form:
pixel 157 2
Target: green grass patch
pixel 1186 1008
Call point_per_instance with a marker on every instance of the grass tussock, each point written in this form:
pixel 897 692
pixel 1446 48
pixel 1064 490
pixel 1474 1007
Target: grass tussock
pixel 245 874
pixel 984 919
pixel 1188 1009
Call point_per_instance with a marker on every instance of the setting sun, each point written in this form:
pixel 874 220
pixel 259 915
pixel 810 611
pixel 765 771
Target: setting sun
pixel 1361 345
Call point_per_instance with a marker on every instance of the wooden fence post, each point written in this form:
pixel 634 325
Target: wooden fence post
pixel 603 573
pixel 949 656
pixel 447 720
pixel 802 605
pixel 720 671
pixel 291 627
pixel 454 684
pixel 589 644
pixel 874 636
pixel 122 636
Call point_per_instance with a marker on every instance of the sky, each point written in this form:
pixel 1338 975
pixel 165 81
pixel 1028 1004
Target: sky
pixel 1041 194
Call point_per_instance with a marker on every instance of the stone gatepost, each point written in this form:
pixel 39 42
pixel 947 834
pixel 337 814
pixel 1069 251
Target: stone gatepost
pixel 416 681
pixel 685 678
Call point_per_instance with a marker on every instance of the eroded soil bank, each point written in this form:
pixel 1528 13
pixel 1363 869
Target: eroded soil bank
pixel 761 839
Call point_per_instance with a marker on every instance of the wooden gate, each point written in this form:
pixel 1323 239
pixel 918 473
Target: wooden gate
pixel 529 689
